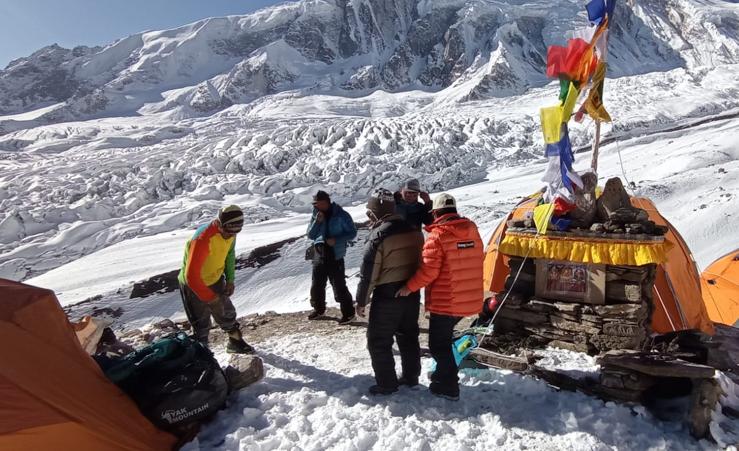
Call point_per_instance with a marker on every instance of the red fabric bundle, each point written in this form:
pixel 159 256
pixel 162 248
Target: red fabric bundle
pixel 561 206
pixel 566 61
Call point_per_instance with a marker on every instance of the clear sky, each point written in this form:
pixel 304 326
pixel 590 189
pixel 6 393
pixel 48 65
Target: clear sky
pixel 28 25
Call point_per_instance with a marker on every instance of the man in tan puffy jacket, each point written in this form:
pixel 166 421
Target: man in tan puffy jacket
pixel 392 255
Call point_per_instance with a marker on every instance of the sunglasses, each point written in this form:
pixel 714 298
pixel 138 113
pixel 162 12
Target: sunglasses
pixel 230 230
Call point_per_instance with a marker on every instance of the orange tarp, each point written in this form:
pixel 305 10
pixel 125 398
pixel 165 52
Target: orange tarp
pixel 720 286
pixel 678 304
pixel 52 394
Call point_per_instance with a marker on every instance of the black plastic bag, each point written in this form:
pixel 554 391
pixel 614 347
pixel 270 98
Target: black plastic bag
pixel 175 381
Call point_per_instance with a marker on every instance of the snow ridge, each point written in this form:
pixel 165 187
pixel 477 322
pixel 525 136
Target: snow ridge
pixel 351 48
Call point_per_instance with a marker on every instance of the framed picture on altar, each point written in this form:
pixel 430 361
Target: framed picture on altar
pixel 570 281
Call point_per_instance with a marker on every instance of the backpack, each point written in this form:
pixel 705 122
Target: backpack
pixel 175 381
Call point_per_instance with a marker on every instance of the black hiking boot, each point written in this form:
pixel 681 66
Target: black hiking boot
pixel 446 393
pixel 236 343
pixel 346 320
pixel 408 382
pixel 238 346
pixel 315 314
pixel 382 391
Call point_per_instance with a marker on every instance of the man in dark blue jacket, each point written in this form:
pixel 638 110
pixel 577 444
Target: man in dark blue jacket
pixel 330 228
pixel 409 208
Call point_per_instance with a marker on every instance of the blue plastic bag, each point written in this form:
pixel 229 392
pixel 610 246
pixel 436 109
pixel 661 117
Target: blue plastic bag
pixel 461 348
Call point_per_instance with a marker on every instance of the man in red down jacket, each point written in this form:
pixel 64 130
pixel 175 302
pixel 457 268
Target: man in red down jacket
pixel 451 271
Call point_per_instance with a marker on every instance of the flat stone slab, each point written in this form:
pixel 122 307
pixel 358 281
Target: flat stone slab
pixel 607 342
pixel 572 326
pixel 622 330
pixel 618 311
pixel 659 365
pixel 494 359
pixel 523 316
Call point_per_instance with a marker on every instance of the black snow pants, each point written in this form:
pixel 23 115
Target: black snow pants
pixel 441 330
pixel 389 318
pixel 330 270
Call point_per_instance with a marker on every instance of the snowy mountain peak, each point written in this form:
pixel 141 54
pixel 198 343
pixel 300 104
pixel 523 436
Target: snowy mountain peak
pixel 352 47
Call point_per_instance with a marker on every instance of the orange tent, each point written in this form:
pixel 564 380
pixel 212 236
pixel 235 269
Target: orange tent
pixel 52 394
pixel 496 264
pixel 720 285
pixel 678 303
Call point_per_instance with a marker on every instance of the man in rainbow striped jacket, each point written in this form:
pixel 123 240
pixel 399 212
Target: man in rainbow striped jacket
pixel 207 278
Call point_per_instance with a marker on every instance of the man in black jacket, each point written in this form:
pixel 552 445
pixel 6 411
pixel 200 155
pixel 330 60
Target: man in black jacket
pixel 409 208
pixel 392 255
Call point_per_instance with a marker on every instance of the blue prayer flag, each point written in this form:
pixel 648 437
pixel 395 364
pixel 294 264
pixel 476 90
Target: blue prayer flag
pixel 560 147
pixel 596 11
pixel 561 224
pixel 566 158
pixel 563 150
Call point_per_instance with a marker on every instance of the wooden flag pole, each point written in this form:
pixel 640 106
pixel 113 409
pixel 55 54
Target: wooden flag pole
pixel 596 145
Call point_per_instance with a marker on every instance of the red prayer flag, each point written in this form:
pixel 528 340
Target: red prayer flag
pixel 572 60
pixel 555 56
pixel 561 206
pixel 566 61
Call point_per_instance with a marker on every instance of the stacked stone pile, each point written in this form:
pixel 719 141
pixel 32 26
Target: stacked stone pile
pixel 621 323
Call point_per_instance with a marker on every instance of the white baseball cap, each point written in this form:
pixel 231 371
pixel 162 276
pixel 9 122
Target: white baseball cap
pixel 444 200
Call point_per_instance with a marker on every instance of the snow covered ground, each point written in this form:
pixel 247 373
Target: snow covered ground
pixel 314 398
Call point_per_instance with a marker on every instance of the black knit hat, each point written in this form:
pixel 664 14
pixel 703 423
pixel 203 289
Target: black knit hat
pixel 381 203
pixel 321 195
pixel 231 218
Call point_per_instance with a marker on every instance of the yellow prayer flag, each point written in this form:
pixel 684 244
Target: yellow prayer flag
pixel 551 123
pixel 594 103
pixel 600 73
pixel 569 105
pixel 598 113
pixel 542 216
